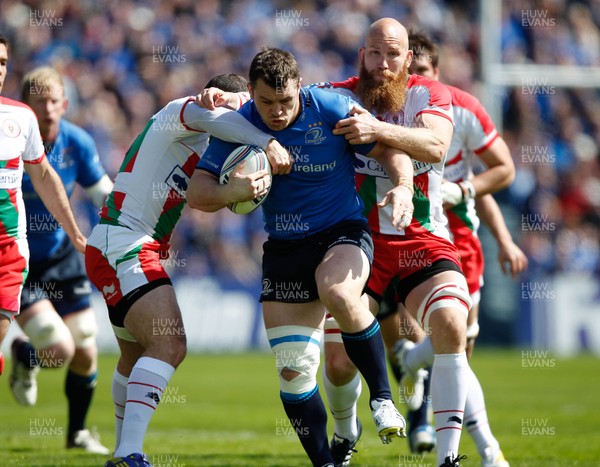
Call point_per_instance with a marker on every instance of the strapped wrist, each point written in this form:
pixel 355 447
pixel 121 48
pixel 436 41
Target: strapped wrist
pixel 468 190
pixel 407 183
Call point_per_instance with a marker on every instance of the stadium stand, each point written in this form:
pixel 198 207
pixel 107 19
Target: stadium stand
pixel 124 60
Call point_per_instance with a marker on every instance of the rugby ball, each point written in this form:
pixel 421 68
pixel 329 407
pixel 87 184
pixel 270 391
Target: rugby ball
pixel 256 160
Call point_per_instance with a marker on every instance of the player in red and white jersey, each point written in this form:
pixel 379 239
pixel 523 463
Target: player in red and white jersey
pixel 423 97
pixel 149 191
pixel 478 164
pixel 21 148
pixel 475 142
pixel 125 249
pixel 414 115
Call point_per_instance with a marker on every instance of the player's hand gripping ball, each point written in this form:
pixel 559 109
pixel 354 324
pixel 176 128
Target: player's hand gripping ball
pixel 256 160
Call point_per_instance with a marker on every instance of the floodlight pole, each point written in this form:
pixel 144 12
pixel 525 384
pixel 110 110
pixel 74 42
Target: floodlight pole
pixel 491 56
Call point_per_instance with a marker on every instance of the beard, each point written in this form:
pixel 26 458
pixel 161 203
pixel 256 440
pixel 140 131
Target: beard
pixel 382 96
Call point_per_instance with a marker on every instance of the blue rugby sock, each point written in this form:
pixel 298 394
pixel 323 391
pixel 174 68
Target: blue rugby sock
pixel 366 350
pixel 308 418
pixel 25 353
pixel 79 390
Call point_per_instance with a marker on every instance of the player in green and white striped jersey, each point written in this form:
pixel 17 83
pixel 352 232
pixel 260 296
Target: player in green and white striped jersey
pixel 125 249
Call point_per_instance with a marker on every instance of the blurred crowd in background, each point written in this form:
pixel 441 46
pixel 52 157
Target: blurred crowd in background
pixel 122 60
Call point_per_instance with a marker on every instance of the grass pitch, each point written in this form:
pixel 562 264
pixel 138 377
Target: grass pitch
pixel 224 410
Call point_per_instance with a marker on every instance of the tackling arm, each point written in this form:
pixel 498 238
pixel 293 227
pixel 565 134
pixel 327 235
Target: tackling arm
pixel 231 126
pixel 224 124
pixel 399 168
pixel 426 142
pixel 211 98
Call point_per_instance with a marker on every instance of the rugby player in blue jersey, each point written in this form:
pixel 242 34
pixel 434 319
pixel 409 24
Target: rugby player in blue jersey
pixel 56 314
pixel 319 249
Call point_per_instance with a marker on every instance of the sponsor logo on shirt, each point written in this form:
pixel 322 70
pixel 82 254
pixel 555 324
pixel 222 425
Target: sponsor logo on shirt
pixel 177 180
pixel 10 179
pixel 314 167
pixel 266 287
pixel 109 291
pixel 397 118
pixel 154 396
pixel 368 166
pixel 315 134
pixel 421 167
pixel 11 128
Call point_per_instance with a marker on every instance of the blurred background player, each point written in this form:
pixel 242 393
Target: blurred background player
pixel 475 147
pixel 21 149
pixel 330 248
pixel 124 252
pixel 56 315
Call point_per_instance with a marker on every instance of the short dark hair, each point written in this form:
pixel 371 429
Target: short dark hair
pixel 230 82
pixel 4 40
pixel 423 46
pixel 275 66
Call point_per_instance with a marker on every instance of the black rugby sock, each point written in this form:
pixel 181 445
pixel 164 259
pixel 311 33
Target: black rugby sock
pixel 308 418
pixel 366 350
pixel 79 390
pixel 24 352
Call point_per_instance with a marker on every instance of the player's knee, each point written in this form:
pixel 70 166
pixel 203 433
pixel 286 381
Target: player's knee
pixel 84 361
pixel 167 339
pixel 289 374
pixel 297 356
pixel 444 313
pixel 83 328
pixel 181 351
pixel 336 296
pixel 48 332
pixel 447 333
pixel 339 367
pixel 57 355
pixel 451 298
pixel 175 352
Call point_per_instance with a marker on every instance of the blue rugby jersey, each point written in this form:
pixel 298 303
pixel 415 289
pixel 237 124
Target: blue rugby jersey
pixel 320 191
pixel 75 158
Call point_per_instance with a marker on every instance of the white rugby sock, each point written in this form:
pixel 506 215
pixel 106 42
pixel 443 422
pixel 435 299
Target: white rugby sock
pixel 420 356
pixel 476 419
pixel 119 396
pixel 449 385
pixel 145 387
pixel 342 404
